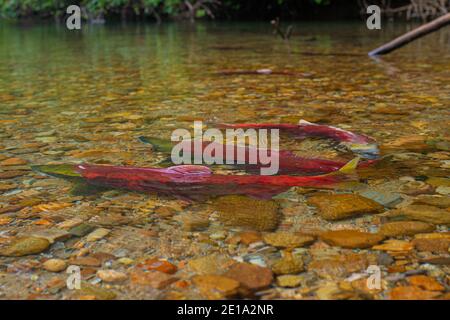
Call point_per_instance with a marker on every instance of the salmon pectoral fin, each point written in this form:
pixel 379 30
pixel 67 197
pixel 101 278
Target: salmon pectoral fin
pixel 82 188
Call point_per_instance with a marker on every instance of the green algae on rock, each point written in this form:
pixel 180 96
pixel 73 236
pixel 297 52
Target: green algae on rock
pixel 25 246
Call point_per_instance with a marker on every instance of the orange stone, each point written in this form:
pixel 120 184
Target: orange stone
pixel 248 237
pixel 412 293
pixel 160 265
pixel 13 162
pixel 425 282
pixel 154 279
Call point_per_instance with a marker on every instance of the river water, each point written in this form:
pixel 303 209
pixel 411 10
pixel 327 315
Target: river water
pixel 86 96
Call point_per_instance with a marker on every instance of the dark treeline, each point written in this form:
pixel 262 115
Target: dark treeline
pixel 160 10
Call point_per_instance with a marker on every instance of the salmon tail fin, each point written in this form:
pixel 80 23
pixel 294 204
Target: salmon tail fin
pixel 350 167
pixel 65 171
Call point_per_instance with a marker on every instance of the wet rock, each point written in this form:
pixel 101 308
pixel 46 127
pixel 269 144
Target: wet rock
pixel 54 265
pixel 12 174
pixel 433 242
pixel 439 182
pixel 97 234
pixel 249 237
pixel 410 143
pixel 405 228
pixel 165 212
pixel 160 265
pixel 81 230
pixel 86 261
pixel 342 206
pixel 218 235
pixel 241 211
pixel 412 293
pixel 435 201
pixel 252 277
pixel 414 188
pixel 215 287
pixel 351 238
pixel 194 223
pixel 154 279
pixel 443 190
pixel 289 281
pixel 211 264
pixel 52 235
pixel 340 265
pixel 423 213
pixel 13 162
pixel 387 199
pixel 9 209
pixel 25 246
pixel 7 187
pixel 425 282
pixel 111 275
pixel 329 291
pixel 96 292
pixel 384 259
pixel 289 264
pixel 287 240
pixel 394 245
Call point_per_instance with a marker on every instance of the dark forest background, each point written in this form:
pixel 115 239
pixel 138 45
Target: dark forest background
pixel 160 10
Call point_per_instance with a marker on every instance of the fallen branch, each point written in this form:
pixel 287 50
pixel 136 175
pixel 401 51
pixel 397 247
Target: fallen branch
pixel 412 35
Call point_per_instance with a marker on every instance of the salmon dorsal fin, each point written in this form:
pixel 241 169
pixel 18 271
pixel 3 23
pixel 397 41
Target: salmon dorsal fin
pixel 304 122
pixel 191 169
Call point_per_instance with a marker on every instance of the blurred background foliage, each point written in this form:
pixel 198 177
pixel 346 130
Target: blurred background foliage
pixel 159 10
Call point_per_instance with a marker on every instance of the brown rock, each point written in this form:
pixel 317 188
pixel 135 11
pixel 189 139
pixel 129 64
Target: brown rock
pixel 433 242
pixel 165 212
pixel 252 277
pixel 351 238
pixel 241 211
pixel 412 293
pixel 211 264
pixel 248 237
pixel 54 265
pixel 405 228
pixel 154 279
pixel 289 281
pixel 111 275
pixel 194 223
pixel 394 245
pixel 13 162
pixel 423 213
pixel 12 174
pixel 160 265
pixel 287 240
pixel 86 261
pixel 8 209
pixel 97 293
pixel 436 201
pixel 289 264
pixel 342 206
pixel 340 265
pixel 24 246
pixel 7 187
pixel 425 282
pixel 215 287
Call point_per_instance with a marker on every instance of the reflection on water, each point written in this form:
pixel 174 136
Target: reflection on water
pixel 71 97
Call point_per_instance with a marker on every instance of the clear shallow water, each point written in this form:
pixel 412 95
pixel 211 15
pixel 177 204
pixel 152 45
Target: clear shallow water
pixel 71 97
